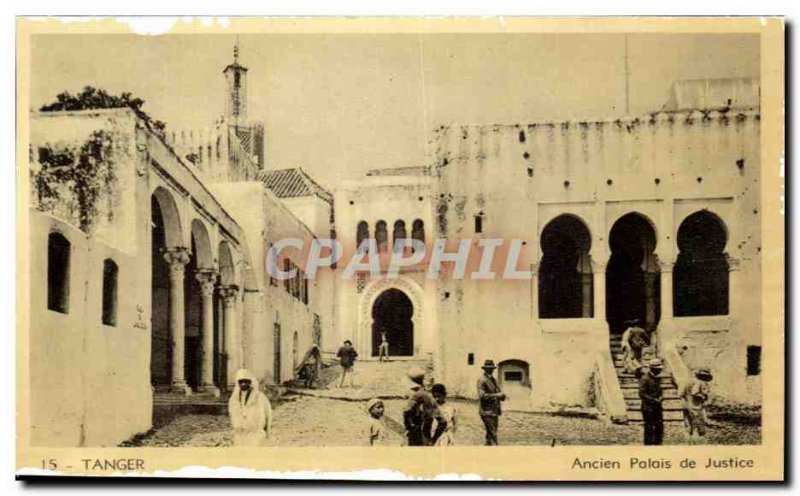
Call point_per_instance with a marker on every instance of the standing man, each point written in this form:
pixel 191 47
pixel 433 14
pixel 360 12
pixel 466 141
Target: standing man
pixel 419 411
pixel 695 396
pixel 383 349
pixel 347 358
pixel 250 411
pixel 490 396
pixel 652 397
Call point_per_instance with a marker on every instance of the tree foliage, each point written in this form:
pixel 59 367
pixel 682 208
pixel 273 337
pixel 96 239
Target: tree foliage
pixel 93 98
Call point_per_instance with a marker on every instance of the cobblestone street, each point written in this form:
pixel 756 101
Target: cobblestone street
pixel 311 421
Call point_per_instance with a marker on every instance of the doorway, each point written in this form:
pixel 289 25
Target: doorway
pixel 392 312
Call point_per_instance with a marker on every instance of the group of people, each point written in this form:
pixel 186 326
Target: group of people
pixel 695 393
pixel 429 420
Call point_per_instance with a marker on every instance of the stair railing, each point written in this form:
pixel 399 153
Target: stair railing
pixel 680 372
pixel 608 397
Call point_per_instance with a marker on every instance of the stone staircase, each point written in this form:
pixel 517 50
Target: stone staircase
pixel 167 405
pixel 673 405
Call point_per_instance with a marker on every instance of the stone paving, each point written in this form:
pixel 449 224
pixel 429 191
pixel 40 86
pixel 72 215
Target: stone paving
pixel 372 379
pixel 333 416
pixel 310 421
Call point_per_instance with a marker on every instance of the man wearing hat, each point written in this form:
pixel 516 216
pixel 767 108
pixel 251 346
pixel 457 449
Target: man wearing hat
pixel 695 397
pixel 419 411
pixel 490 396
pixel 652 397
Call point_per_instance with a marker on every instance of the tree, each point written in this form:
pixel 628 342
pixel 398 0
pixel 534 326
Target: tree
pixel 93 98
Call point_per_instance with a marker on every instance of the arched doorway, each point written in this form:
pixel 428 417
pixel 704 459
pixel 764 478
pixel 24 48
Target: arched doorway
pixel 701 276
pixel 165 233
pixel 565 274
pixel 393 311
pixel 632 276
pixel 227 277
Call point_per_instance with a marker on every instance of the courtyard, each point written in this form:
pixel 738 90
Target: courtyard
pixel 311 421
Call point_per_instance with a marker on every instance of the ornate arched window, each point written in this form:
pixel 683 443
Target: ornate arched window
pixel 381 236
pixel 399 232
pixel 565 274
pixel 700 279
pixel 362 233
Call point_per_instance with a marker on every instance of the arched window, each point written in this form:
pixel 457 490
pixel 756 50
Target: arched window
pixel 58 257
pixel 418 230
pixel 565 274
pixel 700 280
pixel 398 233
pixel 110 272
pixel 381 236
pixel 362 233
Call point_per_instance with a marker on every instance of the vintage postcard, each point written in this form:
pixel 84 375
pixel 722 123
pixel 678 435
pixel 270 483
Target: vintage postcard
pixel 409 248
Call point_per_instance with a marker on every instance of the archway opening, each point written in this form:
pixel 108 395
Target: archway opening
pixel 392 312
pixel 565 274
pixel 632 276
pixel 227 277
pixel 193 306
pixel 701 275
pixel 160 345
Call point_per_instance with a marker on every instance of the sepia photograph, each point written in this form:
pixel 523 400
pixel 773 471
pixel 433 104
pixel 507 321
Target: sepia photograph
pixel 383 234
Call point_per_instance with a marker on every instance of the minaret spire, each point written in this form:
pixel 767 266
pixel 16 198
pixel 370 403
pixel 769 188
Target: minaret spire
pixel 236 76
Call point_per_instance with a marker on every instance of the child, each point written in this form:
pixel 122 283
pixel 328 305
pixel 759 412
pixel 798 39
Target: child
pixel 446 422
pixel 695 397
pixel 377 431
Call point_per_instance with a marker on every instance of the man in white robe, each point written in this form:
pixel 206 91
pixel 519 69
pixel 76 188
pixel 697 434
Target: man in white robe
pixel 250 411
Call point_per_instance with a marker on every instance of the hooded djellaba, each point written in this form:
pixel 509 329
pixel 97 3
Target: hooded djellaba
pixel 250 412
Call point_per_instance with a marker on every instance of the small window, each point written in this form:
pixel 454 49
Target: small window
pixel 110 272
pixel 471 359
pixel 513 376
pixel 478 224
pixel 753 360
pixel 58 256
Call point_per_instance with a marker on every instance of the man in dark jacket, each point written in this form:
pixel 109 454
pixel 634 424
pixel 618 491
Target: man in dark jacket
pixel 490 396
pixel 652 397
pixel 347 357
pixel 419 411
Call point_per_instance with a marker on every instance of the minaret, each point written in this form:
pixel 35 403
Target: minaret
pixel 236 77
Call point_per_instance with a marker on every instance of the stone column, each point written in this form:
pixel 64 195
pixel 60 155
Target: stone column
pixel 734 286
pixel 650 299
pixel 585 270
pixel 229 295
pixel 535 291
pixel 599 270
pixel 177 258
pixel 207 280
pixel 666 325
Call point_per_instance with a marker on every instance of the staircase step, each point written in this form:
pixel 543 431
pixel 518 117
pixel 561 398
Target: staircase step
pixel 630 381
pixel 669 416
pixel 633 394
pixel 668 404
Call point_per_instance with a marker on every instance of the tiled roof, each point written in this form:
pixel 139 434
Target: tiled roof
pixel 293 183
